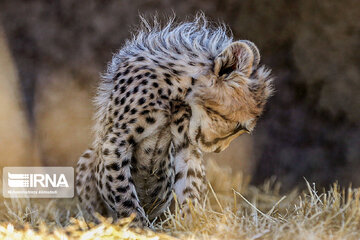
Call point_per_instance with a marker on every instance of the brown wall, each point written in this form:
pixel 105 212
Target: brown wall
pixel 16 147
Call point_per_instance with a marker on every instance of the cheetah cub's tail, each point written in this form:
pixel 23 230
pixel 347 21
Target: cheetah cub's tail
pixel 87 193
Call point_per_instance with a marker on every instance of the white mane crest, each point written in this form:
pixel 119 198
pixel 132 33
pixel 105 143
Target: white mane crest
pixel 193 38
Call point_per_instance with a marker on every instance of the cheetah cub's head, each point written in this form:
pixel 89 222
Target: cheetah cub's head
pixel 231 97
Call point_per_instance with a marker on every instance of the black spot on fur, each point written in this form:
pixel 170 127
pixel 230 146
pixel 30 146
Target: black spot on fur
pixel 144 112
pixel 133 111
pixel 114 166
pixel 167 80
pixel 122 101
pixel 180 120
pixel 122 189
pixel 130 80
pixel 122 143
pixel 150 120
pixel 117 153
pixel 193 80
pixel 106 152
pixel 125 162
pixel 139 129
pixel 188 91
pixel 131 140
pixel 109 178
pixel 122 89
pixel 128 204
pixel 117 75
pixel 120 177
pixel 164 97
pixel 136 89
pixel 176 72
pixel 141 101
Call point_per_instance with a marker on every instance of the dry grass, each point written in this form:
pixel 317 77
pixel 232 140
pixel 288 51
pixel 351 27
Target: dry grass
pixel 232 210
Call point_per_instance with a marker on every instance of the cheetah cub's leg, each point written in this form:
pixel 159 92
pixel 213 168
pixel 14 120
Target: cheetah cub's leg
pixel 190 180
pixel 87 192
pixel 114 178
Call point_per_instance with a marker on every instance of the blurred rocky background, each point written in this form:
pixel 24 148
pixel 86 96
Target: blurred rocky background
pixel 56 50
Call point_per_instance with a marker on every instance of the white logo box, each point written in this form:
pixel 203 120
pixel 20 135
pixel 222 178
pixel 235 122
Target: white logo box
pixel 38 182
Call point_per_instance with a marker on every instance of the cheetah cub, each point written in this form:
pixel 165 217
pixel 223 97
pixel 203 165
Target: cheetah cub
pixel 168 95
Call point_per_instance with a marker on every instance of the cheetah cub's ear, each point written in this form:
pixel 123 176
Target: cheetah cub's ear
pixel 242 56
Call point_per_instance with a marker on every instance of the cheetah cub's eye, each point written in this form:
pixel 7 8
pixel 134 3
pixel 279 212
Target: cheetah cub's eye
pixel 241 56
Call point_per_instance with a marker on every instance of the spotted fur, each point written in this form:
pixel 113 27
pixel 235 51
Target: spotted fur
pixel 170 94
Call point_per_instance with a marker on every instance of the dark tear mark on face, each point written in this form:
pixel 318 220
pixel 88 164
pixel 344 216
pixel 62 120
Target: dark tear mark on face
pixel 200 136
